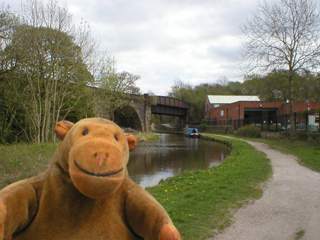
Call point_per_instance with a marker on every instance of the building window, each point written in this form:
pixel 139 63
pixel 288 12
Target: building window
pixel 222 113
pixel 317 118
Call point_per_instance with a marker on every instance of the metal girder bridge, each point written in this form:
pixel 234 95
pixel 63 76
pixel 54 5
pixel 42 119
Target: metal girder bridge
pixel 170 106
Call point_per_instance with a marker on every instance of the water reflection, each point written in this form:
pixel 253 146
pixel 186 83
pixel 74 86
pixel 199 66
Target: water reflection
pixel 171 155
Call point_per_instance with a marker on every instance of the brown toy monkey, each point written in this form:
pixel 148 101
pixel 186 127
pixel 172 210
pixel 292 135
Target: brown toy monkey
pixel 85 193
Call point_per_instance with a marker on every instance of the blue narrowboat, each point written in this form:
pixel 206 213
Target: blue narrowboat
pixel 191 132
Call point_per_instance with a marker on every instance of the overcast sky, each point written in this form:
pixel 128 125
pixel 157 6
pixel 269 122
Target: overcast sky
pixel 196 41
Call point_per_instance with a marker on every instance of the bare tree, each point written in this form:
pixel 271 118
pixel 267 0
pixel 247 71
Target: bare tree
pixel 223 81
pixel 112 89
pixel 283 34
pixel 7 22
pixel 36 13
pixel 125 82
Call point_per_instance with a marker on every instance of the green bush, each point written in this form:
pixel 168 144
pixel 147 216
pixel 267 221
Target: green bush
pixel 203 125
pixel 249 131
pixel 313 137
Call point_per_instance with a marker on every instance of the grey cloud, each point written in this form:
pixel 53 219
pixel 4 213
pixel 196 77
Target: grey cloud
pixel 165 39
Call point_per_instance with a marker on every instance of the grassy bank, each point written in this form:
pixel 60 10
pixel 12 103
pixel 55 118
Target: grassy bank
pixel 19 161
pixel 308 153
pixel 204 200
pixel 145 136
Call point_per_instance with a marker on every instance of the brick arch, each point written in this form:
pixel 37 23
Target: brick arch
pixel 128 117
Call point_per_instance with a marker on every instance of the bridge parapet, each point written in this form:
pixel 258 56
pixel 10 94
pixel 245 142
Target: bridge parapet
pixel 169 101
pixel 170 106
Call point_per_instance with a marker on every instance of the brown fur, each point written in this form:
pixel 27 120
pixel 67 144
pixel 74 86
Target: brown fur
pixel 85 193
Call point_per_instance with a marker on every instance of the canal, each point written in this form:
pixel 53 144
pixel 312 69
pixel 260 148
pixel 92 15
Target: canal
pixel 171 155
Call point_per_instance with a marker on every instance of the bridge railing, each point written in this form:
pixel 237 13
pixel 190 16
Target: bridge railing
pixel 169 101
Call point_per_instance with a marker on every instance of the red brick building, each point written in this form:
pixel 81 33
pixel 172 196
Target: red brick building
pixel 249 110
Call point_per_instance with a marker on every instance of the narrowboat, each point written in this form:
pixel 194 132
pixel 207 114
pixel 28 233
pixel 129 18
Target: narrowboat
pixel 191 132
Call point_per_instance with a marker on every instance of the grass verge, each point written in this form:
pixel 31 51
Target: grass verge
pixel 20 161
pixel 145 136
pixel 307 152
pixel 202 202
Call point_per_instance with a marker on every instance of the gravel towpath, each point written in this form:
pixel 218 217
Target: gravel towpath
pixel 289 208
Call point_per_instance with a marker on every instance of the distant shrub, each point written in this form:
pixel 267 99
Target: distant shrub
pixel 249 131
pixel 313 137
pixel 203 125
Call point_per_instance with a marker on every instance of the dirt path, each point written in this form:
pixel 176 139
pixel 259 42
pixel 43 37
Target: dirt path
pixel 290 204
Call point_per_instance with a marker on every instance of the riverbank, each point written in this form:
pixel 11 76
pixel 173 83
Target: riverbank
pixel 145 136
pixel 22 160
pixel 202 202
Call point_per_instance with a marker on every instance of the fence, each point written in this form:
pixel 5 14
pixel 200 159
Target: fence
pixel 304 121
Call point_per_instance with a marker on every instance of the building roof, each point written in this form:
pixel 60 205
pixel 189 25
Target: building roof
pixel 227 99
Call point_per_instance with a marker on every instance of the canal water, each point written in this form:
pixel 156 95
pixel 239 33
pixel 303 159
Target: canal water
pixel 171 155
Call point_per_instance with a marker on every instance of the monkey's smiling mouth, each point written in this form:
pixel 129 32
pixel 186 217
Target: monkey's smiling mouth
pixel 95 174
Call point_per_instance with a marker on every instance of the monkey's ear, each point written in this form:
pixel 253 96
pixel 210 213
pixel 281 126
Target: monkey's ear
pixel 62 128
pixel 132 141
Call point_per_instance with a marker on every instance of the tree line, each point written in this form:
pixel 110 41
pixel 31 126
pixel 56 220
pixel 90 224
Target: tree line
pixel 270 87
pixel 51 68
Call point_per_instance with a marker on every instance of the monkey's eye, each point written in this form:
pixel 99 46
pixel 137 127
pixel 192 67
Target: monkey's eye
pixel 85 132
pixel 116 137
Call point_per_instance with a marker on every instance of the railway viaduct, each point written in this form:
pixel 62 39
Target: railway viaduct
pixel 137 113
